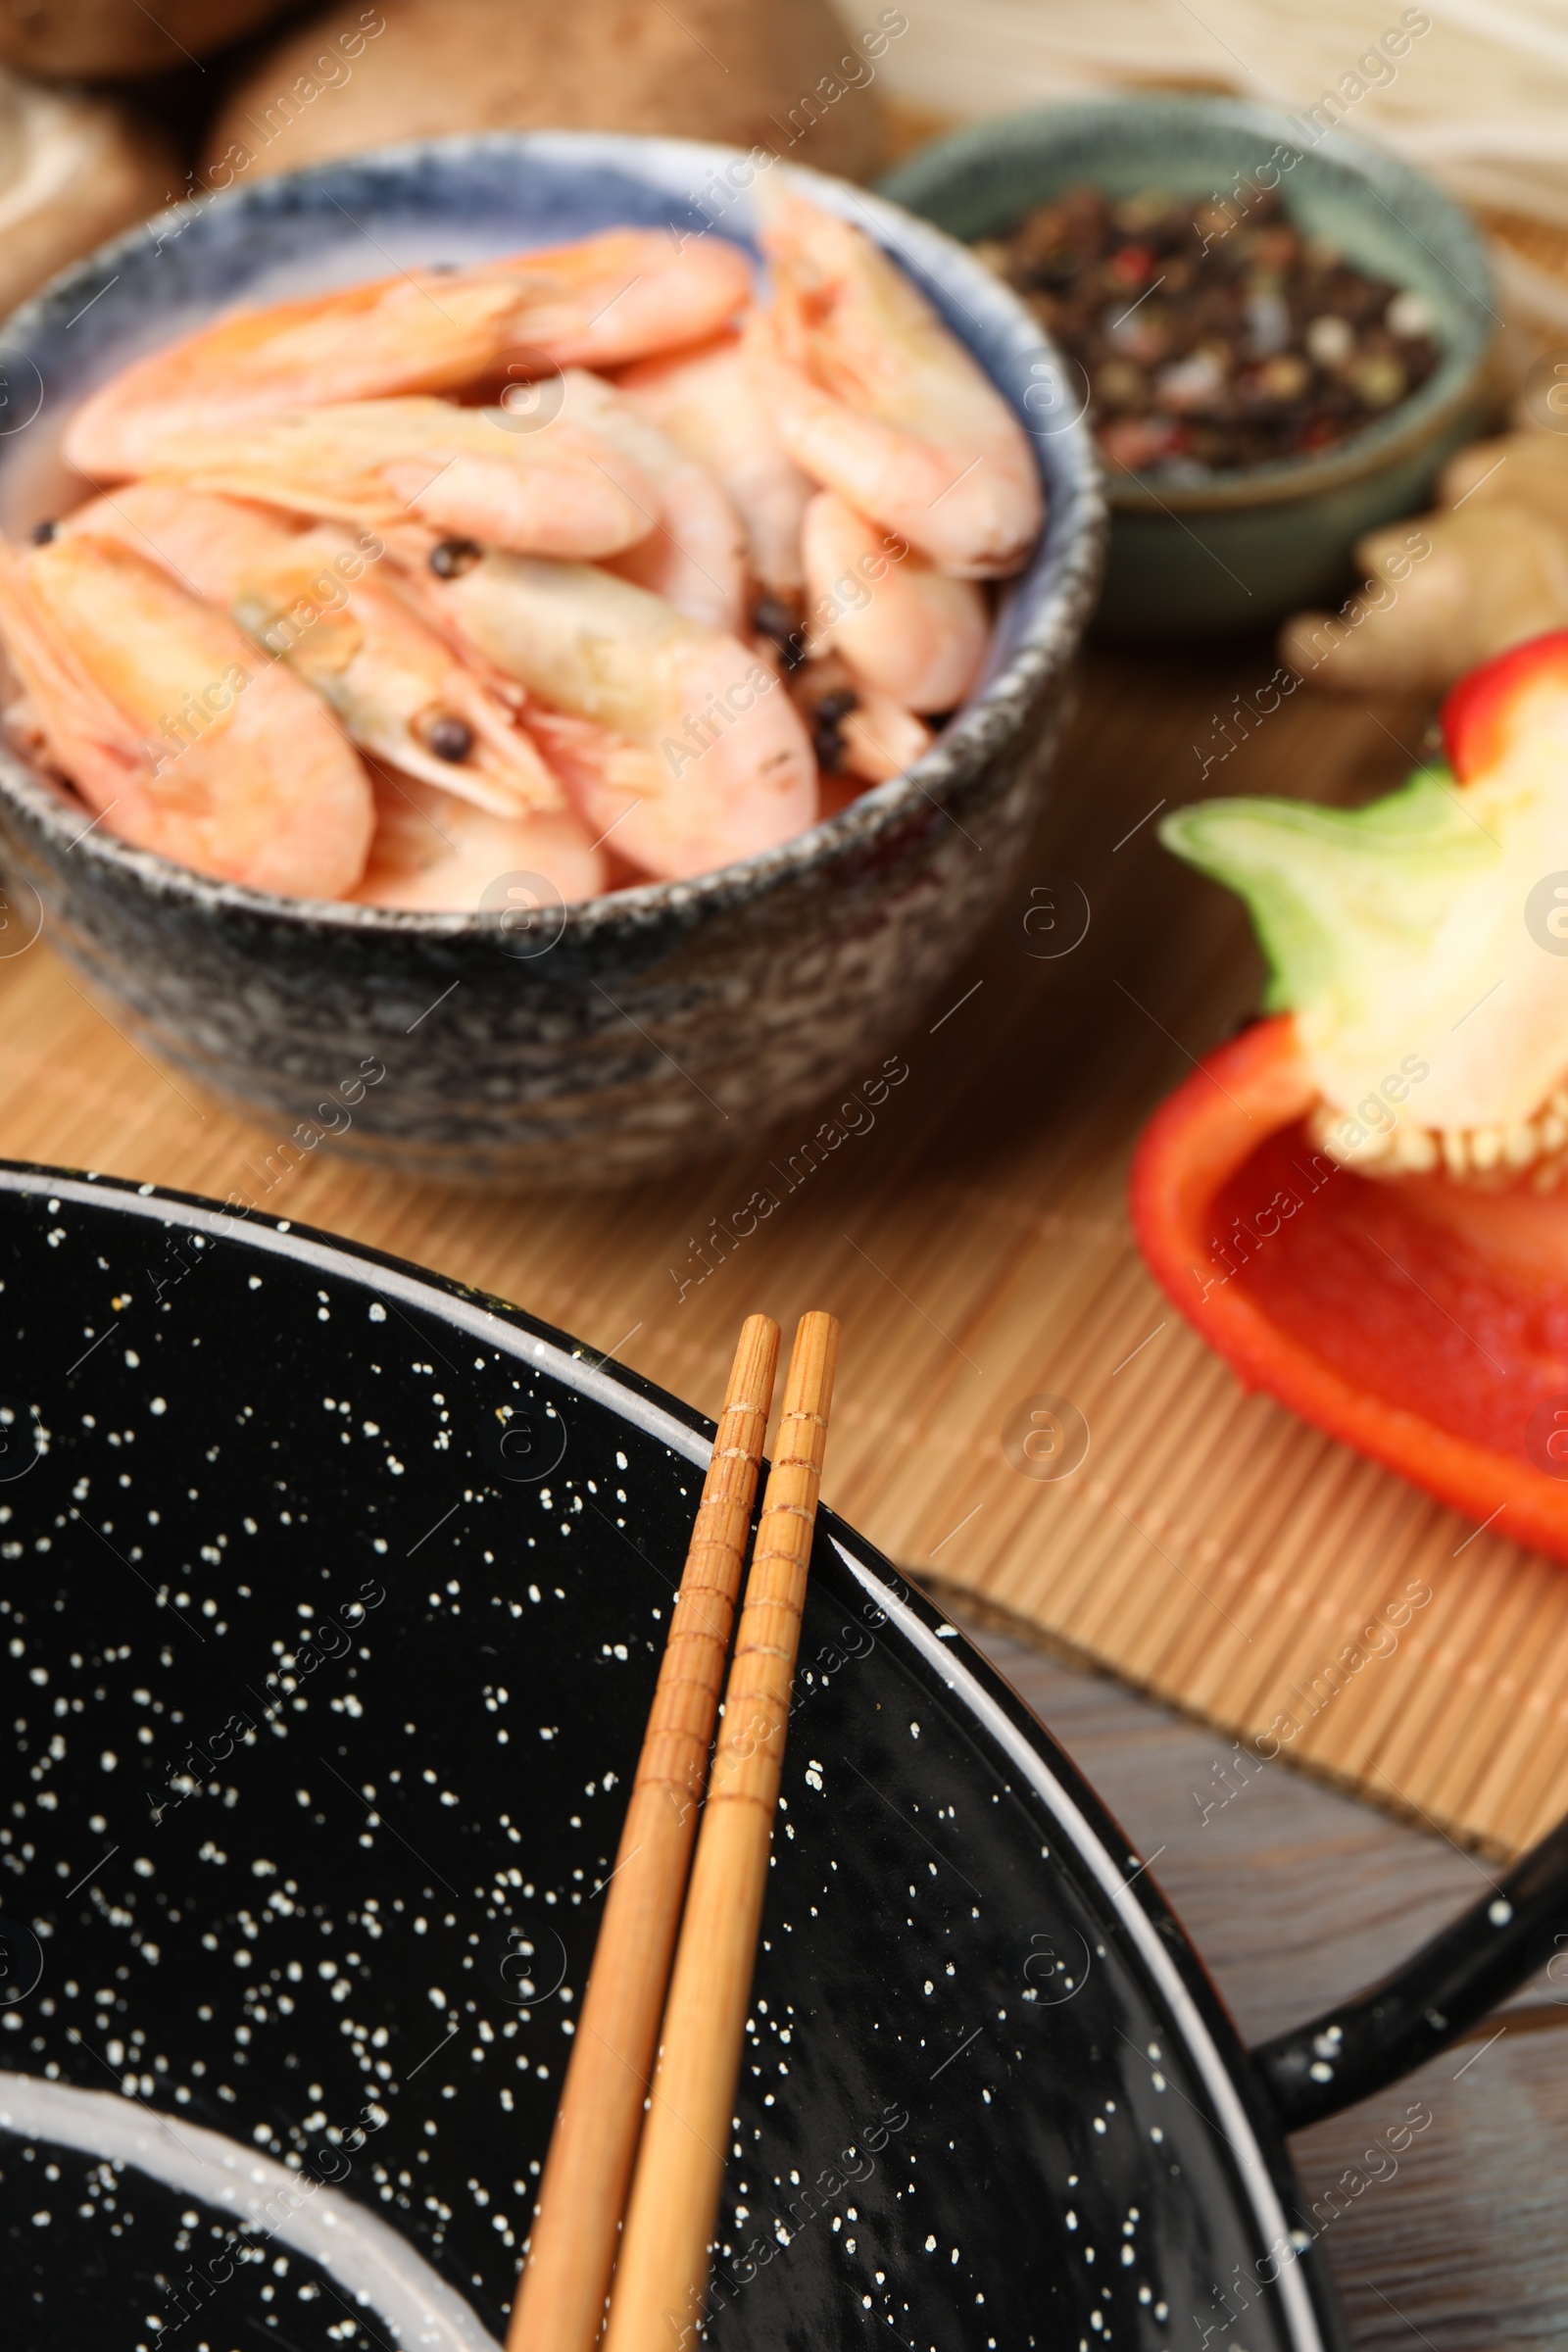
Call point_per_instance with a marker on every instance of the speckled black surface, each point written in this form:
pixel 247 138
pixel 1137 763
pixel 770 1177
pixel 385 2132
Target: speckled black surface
pixel 666 1016
pixel 272 1885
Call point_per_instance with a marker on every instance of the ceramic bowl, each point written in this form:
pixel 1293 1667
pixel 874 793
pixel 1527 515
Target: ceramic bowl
pixel 661 1022
pixel 1241 551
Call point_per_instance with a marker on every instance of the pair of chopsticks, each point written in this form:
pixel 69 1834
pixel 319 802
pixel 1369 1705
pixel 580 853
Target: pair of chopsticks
pixel 632 2193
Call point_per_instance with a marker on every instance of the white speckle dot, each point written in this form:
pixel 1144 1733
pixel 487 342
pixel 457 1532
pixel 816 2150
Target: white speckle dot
pixel 377 1313
pixel 108 1760
pixel 1501 1912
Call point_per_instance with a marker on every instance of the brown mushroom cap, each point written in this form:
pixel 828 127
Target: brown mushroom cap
pixel 73 170
pixel 780 73
pixel 68 39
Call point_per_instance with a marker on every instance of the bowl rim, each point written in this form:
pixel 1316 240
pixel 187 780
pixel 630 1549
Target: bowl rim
pixel 1384 176
pixel 1070 555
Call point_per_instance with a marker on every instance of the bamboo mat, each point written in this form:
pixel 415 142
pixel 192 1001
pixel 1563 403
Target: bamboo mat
pixel 975 1244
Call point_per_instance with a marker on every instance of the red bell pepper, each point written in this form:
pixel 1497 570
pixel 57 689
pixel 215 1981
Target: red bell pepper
pixel 1419 1311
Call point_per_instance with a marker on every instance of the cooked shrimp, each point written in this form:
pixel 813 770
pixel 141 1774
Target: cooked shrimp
pixel 881 739
pixel 173 732
pixel 707 403
pixel 678 740
pixel 310 597
pixel 603 300
pixel 695 553
pixel 434 851
pixel 854 731
pixel 875 398
pixel 464 472
pixel 905 629
pixel 630 292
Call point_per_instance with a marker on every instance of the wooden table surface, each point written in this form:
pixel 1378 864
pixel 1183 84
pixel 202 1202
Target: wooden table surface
pixel 1295 1895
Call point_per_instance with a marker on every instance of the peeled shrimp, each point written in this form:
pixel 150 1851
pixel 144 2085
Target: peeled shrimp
pixel 907 630
pixel 434 851
pixel 707 403
pixel 695 553
pixel 313 598
pixel 466 472
pixel 172 730
pixel 676 739
pixel 603 300
pixel 873 398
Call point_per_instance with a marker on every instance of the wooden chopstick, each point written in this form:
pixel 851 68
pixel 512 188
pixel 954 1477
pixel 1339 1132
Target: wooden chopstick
pixel 559 2304
pixel 662 2278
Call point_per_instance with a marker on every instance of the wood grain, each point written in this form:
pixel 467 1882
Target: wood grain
pixel 969 1229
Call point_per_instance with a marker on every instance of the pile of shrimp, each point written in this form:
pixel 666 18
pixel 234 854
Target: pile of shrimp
pixel 586 564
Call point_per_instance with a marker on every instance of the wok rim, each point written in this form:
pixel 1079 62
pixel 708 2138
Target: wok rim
pixel 1156 1945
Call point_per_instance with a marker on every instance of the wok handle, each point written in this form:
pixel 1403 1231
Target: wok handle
pixel 1409 2015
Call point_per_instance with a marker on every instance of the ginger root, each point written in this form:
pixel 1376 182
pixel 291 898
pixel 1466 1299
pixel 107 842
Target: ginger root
pixel 1486 570
pixel 1526 468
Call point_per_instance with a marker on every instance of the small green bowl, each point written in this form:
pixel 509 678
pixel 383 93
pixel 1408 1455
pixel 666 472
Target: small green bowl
pixel 1241 551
